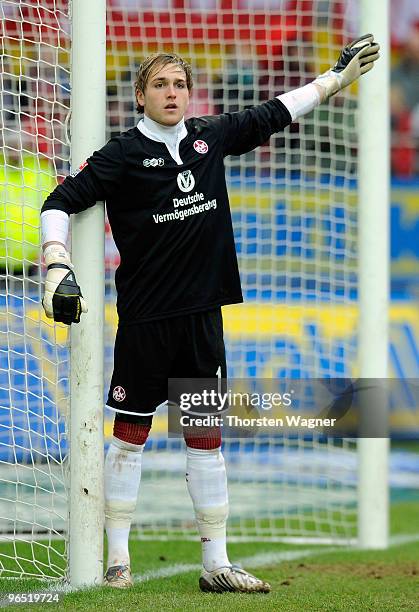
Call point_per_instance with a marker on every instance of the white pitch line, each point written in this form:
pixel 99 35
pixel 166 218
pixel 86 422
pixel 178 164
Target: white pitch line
pixel 259 560
pixel 403 538
pixel 167 572
pixel 264 559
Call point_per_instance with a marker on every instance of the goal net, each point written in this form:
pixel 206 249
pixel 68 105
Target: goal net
pixel 34 149
pixel 294 209
pixel 295 220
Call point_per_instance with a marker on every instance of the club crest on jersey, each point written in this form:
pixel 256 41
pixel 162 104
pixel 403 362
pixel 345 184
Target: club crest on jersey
pixel 119 394
pixel 185 181
pixel 200 146
pixel 153 162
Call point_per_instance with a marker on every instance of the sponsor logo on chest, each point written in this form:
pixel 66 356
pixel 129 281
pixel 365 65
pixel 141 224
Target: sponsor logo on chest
pixel 186 181
pixel 153 163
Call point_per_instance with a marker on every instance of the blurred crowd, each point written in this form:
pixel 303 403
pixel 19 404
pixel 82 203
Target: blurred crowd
pixel 237 86
pixel 404 96
pixel 35 93
pixel 35 101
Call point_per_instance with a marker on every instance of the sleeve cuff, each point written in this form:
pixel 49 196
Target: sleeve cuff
pixel 54 226
pixel 300 101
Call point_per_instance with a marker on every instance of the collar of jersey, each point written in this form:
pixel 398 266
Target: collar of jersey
pixel 170 135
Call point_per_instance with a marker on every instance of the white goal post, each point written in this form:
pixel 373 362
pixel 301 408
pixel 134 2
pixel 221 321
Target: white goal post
pixel 88 130
pixel 312 243
pixel 374 270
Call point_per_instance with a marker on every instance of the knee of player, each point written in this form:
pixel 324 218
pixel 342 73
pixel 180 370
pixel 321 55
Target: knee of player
pixel 212 516
pixel 132 429
pixel 202 438
pixel 119 512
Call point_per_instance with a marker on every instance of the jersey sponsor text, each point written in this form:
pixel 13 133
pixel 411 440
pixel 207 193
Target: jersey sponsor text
pixel 187 212
pixel 190 199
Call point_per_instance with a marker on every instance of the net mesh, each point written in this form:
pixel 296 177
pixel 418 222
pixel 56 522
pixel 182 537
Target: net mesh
pixel 34 149
pixel 295 221
pixel 294 213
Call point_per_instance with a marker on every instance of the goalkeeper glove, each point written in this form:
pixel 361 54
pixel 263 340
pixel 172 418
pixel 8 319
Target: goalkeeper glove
pixel 62 299
pixel 356 58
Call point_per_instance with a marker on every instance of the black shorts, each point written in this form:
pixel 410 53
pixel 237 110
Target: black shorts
pixel 146 355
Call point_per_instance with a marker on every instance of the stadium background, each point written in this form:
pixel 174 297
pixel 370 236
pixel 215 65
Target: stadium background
pixel 295 321
pixel 277 34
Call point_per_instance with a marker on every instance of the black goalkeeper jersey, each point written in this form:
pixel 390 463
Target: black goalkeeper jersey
pixel 171 223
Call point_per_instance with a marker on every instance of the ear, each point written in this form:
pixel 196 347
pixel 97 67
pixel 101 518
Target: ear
pixel 140 98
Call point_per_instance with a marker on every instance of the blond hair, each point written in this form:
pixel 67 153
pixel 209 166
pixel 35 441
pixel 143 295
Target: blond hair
pixel 159 60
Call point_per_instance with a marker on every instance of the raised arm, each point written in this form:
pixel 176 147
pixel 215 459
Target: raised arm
pixel 252 127
pixel 355 59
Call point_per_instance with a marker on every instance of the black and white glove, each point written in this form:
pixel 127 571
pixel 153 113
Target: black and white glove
pixel 356 58
pixel 62 299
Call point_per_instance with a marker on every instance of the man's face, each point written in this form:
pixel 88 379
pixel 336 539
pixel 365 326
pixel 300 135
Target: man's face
pixel 166 95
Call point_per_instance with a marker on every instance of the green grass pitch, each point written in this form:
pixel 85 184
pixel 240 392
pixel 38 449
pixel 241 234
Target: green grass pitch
pixel 302 577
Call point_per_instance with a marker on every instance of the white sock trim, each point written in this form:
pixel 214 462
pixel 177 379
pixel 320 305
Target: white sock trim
pixel 136 448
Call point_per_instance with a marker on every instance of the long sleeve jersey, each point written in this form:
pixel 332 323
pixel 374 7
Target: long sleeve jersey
pixel 171 222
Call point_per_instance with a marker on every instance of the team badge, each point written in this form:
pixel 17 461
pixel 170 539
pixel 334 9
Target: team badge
pixel 200 146
pixel 119 394
pixel 185 181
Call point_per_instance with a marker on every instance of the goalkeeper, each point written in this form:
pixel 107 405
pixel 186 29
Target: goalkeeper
pixel 167 203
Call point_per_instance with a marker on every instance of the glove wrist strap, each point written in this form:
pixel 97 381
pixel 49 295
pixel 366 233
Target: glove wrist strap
pixel 58 265
pixel 57 254
pixel 331 81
